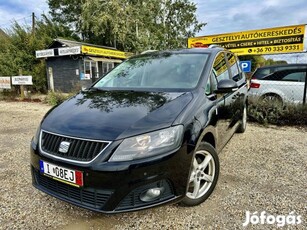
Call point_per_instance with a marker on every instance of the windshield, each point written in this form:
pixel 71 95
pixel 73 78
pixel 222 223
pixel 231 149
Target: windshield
pixel 160 71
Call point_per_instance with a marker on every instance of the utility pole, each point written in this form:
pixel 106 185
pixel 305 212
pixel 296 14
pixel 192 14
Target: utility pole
pixel 22 89
pixel 33 23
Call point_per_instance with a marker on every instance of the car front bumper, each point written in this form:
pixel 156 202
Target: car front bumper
pixel 117 187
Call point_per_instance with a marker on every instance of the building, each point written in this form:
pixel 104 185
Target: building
pixel 75 65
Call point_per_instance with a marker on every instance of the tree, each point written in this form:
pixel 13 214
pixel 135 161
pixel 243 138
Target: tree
pixel 17 49
pixel 259 60
pixel 131 25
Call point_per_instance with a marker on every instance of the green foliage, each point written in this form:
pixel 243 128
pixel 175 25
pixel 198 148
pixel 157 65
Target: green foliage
pixel 258 61
pixel 8 95
pixel 66 12
pixel 18 46
pixel 270 61
pixel 56 98
pixel 271 113
pixel 130 25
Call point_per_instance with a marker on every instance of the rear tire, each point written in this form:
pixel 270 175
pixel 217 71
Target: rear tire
pixel 203 176
pixel 272 99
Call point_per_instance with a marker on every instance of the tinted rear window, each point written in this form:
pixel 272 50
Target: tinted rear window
pixel 260 73
pixel 293 75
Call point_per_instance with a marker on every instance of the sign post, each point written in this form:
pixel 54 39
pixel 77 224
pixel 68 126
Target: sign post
pixel 246 66
pixel 22 90
pixel 22 81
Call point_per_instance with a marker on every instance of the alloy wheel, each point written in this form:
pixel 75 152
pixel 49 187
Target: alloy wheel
pixel 202 175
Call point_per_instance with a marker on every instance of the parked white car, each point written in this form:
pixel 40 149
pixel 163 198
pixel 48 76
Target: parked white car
pixel 286 85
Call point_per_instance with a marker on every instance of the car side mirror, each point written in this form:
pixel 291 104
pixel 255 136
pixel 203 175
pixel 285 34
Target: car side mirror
pixel 226 86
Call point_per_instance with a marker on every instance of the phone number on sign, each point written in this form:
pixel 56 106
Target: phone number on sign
pixel 276 49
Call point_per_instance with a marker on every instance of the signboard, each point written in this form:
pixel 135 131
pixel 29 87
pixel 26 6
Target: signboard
pixel 105 52
pixel 85 76
pixel 22 80
pixel 246 66
pixel 287 39
pixel 5 82
pixel 44 53
pixel 69 50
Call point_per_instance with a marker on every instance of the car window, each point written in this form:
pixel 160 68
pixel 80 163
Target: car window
pixel 295 75
pixel 163 71
pixel 289 67
pixel 298 77
pixel 220 67
pixel 211 85
pixel 261 72
pixel 234 67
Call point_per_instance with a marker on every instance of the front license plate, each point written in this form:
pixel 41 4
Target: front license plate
pixel 72 177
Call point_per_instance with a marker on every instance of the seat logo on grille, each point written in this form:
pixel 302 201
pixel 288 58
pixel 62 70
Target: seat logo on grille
pixel 64 146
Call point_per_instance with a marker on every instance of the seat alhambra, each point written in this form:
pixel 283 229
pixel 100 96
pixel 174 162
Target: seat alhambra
pixel 145 134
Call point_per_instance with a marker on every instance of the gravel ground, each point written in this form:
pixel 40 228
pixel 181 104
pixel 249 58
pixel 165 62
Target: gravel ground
pixel 263 169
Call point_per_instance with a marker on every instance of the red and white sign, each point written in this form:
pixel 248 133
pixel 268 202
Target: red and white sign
pixel 5 82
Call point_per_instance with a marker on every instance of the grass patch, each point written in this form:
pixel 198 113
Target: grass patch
pixel 56 98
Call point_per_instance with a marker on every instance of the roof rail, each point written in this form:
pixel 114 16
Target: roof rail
pixel 148 51
pixel 215 46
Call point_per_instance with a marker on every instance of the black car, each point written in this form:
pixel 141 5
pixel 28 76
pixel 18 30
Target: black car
pixel 145 134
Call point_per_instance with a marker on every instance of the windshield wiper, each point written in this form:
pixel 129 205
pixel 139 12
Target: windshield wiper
pixel 95 89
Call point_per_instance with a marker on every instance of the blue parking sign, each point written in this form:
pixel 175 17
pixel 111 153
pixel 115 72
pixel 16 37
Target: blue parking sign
pixel 246 66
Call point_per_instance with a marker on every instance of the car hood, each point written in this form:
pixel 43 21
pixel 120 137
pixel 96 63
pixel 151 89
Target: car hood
pixel 113 115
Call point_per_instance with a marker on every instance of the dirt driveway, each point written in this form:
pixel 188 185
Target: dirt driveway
pixel 263 169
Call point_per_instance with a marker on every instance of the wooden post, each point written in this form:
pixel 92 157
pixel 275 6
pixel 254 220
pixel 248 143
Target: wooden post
pixel 22 90
pixel 33 23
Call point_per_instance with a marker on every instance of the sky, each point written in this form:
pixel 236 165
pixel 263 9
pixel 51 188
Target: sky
pixel 20 10
pixel 221 16
pixel 225 16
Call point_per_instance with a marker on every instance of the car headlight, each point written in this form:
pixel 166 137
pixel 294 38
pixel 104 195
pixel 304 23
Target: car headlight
pixel 149 144
pixel 36 136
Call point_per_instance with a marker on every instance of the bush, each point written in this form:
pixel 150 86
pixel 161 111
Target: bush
pixel 6 94
pixel 277 114
pixel 55 98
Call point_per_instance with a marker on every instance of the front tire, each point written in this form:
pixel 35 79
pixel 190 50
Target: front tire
pixel 203 176
pixel 242 125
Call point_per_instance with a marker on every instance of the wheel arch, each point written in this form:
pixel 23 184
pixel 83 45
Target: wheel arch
pixel 273 94
pixel 209 138
pixel 208 135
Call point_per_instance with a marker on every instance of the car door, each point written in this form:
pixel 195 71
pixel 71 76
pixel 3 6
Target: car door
pixel 295 85
pixel 224 102
pixel 238 96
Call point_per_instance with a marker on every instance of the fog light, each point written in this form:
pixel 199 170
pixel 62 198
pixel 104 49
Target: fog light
pixel 151 194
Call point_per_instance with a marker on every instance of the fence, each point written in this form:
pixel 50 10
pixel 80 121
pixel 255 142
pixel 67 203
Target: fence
pixel 280 79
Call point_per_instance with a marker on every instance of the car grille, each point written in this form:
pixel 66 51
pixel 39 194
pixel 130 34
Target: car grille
pixel 85 197
pixel 79 149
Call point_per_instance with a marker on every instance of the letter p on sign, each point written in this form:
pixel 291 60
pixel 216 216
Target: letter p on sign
pixel 246 66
